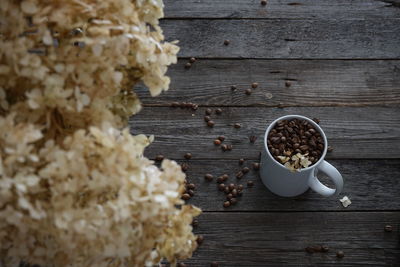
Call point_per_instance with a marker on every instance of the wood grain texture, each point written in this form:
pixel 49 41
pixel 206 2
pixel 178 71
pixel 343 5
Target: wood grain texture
pixel 354 132
pixel 313 83
pixel 281 9
pixel 370 184
pixel 286 39
pixel 280 239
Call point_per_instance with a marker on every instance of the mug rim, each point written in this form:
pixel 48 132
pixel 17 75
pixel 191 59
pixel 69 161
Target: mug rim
pixel 294 116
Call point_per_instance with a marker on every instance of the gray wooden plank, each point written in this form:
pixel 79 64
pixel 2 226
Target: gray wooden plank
pixel 354 132
pixel 370 184
pixel 313 83
pixel 280 239
pixel 305 39
pixel 280 9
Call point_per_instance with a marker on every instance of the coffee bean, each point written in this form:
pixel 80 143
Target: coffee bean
pixel 256 166
pixel 296 145
pixel 275 140
pixel 225 177
pixel 226 190
pixel 188 155
pixel 310 249
pixel 159 157
pixel 233 201
pixel 188 65
pixel 231 187
pixel 184 167
pixel 283 139
pixel 229 196
pixel 218 111
pixel 221 138
pixel 318 248
pixel 263 2
pixel 254 85
pixel 195 223
pixel 388 228
pixel 312 143
pixel 250 183
pixel 237 125
pixel 224 147
pixel 276 153
pixel 248 91
pixel 191 186
pixel 288 83
pixel 239 174
pixel 241 161
pixel 312 131
pixel 329 149
pixel 233 87
pixel 199 239
pixel 245 170
pixel 340 254
pixel 240 187
pixel 208 111
pixel 191 192
pixel 297 150
pixel 325 249
pixel 217 142
pixel 234 192
pixel 192 60
pixel 208 177
pixel 210 123
pixel 304 147
pixel 220 180
pixel 229 147
pixel 227 42
pixel 227 204
pixel 221 187
pixel 207 118
pixel 214 264
pixel 185 196
pixel 252 138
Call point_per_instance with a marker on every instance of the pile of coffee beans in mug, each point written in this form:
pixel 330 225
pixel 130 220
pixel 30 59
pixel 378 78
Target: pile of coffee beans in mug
pixel 295 143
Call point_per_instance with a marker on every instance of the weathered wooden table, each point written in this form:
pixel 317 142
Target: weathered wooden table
pixel 342 59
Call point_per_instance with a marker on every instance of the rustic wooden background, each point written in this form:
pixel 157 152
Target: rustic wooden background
pixel 343 61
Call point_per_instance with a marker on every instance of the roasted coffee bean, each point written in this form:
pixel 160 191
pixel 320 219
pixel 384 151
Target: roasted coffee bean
pixel 233 87
pixel 195 223
pixel 388 228
pixel 275 140
pixel 256 166
pixel 241 161
pixel 254 85
pixel 217 142
pixel 318 248
pixel 283 139
pixel 191 192
pixel 276 153
pixel 191 186
pixel 304 147
pixel 207 118
pixel 227 42
pixel 231 187
pixel 184 167
pixel 312 159
pixel 199 239
pixel 297 150
pixel 229 147
pixel 208 111
pixel 325 249
pixel 159 157
pixel 208 177
pixel 317 121
pixel 312 143
pixel 248 91
pixel 226 190
pixel 192 60
pixel 240 187
pixel 224 147
pixel 314 153
pixel 288 83
pixel 186 196
pixel 296 145
pixel 312 131
pixel 237 125
pixel 310 249
pixel 227 204
pixel 221 138
pixel 340 254
pixel 239 174
pixel 214 264
pixel 234 192
pixel 245 170
pixel 287 153
pixel 263 2
pixel 188 65
pixel 188 155
pixel 220 180
pixel 225 177
pixel 233 201
pixel 250 183
pixel 329 149
pixel 252 138
pixel 210 123
pixel 218 111
pixel 229 196
pixel 221 187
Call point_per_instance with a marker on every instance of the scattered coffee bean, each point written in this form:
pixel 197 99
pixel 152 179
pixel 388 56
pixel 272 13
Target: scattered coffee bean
pixel 245 170
pixel 220 180
pixel 233 201
pixel 208 111
pixel 248 91
pixel 256 166
pixel 250 183
pixel 184 167
pixel 217 142
pixel 237 125
pixel 188 155
pixel 191 186
pixel 227 42
pixel 316 120
pixel 241 161
pixel 288 83
pixel 388 228
pixel 231 187
pixel 218 111
pixel 159 157
pixel 240 187
pixel 221 187
pixel 221 138
pixel 229 147
pixel 330 149
pixel 195 223
pixel 263 2
pixel 227 204
pixel 340 254
pixel 225 177
pixel 229 196
pixel 190 192
pixel 325 249
pixel 186 196
pixel 233 87
pixel 207 118
pixel 309 249
pixel 234 192
pixel 254 85
pixel 252 138
pixel 226 190
pixel 199 239
pixel 239 174
pixel 214 264
pixel 224 147
pixel 192 60
pixel 318 248
pixel 210 123
pixel 188 65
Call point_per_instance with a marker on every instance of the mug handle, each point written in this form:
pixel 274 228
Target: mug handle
pixel 335 176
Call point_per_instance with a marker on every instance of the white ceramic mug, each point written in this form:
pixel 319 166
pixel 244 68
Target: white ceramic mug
pixel 283 182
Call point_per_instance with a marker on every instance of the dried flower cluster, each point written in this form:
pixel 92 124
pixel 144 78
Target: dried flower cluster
pixel 295 162
pixel 74 188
